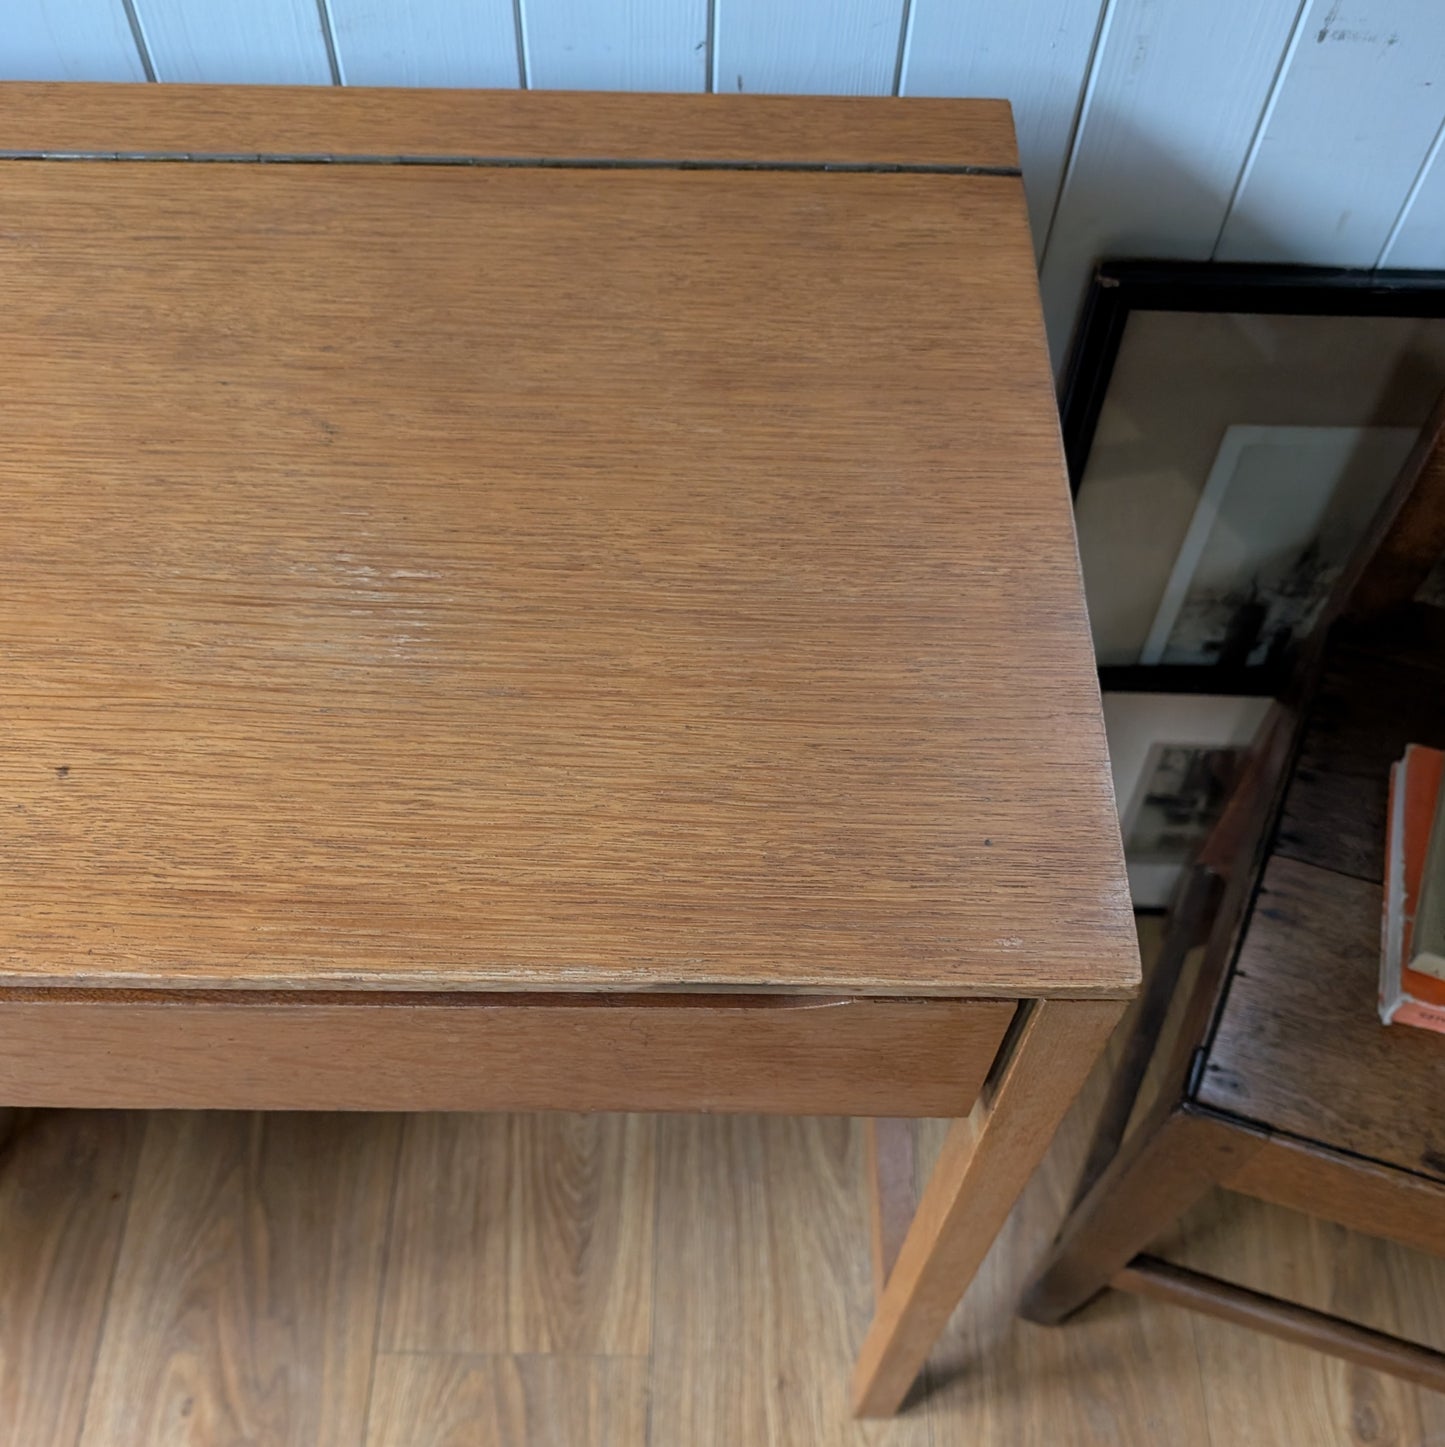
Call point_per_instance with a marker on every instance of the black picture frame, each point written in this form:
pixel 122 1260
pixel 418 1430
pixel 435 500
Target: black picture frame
pixel 1119 289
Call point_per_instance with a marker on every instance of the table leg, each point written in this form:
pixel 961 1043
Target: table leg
pixel 982 1169
pixel 888 1162
pixel 1169 1161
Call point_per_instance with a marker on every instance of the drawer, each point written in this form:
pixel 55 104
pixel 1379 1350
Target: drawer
pixel 253 1051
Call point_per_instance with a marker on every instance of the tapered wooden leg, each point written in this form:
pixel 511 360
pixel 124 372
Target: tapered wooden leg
pixel 983 1167
pixel 1165 1166
pixel 888 1161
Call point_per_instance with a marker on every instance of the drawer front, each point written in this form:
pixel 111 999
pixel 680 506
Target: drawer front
pixel 694 1053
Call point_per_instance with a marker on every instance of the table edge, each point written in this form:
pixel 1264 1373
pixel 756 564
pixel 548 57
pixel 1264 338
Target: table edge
pixel 241 122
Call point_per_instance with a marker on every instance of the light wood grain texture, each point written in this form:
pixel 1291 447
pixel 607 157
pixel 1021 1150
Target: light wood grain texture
pixel 570 1288
pixel 507 1401
pixel 1316 1397
pixel 1287 1320
pixel 1299 1047
pixel 64 1186
pixel 451 1227
pixel 453 694
pixel 639 45
pixel 1123 1372
pixel 1037 56
pixel 983 1167
pixel 244 1305
pixel 68 40
pixel 766 1053
pixel 1406 1290
pixel 1353 116
pixel 1172 106
pixel 311 120
pixel 1418 239
pixel 761 1289
pixel 425 42
pixel 480 618
pixel 810 47
pixel 263 42
pixel 549 1222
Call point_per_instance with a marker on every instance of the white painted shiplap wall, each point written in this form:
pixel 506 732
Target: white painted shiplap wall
pixel 257 42
pixel 425 42
pixel 1174 97
pixel 1247 130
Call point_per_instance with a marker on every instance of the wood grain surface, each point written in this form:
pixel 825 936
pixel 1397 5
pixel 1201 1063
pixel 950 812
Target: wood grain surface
pixel 1377 1200
pixel 548 1220
pixel 250 1278
pixel 1122 1372
pixel 425 1401
pixel 623 579
pixel 762 1289
pixel 1165 1166
pixel 778 1054
pixel 1311 1397
pixel 1288 1320
pixel 981 1171
pixel 1299 1046
pixel 355 121
pixel 758 1277
pixel 65 1187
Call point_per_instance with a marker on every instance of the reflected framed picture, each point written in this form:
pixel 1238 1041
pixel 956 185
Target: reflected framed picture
pixel 1230 431
pixel 1175 757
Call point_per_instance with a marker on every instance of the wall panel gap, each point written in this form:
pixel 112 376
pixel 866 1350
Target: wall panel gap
pixel 1286 59
pixel 328 37
pixel 1410 196
pixel 137 32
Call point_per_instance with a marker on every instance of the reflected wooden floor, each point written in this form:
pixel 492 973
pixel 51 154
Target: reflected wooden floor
pixel 432 1281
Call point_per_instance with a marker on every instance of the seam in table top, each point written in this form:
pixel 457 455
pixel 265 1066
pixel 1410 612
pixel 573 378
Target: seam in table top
pixel 541 163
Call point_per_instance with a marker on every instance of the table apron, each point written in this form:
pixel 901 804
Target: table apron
pixel 788 1055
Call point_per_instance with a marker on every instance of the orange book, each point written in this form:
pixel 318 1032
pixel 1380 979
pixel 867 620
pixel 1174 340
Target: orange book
pixel 1409 997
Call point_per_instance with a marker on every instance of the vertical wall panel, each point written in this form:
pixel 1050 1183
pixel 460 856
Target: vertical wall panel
pixel 1419 237
pixel 425 42
pixel 260 42
pixel 807 47
pixel 67 40
pixel 1352 120
pixel 1035 56
pixel 615 44
pixel 1167 122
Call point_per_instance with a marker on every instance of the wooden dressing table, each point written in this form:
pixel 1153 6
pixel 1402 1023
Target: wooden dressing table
pixel 521 601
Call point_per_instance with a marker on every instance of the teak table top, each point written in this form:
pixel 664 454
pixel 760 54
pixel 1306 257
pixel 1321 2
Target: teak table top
pixel 512 575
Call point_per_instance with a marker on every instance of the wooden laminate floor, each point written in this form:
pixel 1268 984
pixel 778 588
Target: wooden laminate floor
pixel 563 1281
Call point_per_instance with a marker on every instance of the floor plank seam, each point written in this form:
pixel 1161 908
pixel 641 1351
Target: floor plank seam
pixel 382 1279
pixel 652 1303
pixel 114 1272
